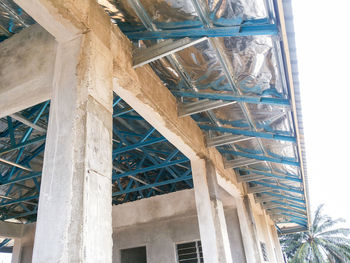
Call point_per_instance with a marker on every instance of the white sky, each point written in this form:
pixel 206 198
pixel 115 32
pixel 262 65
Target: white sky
pixel 5 257
pixel 322 37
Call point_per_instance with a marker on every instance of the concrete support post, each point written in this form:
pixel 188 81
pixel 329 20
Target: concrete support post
pixel 270 241
pixel 75 208
pixel 17 251
pixel 250 246
pixel 211 218
pixel 277 244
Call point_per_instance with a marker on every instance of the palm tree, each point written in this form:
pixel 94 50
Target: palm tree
pixel 323 243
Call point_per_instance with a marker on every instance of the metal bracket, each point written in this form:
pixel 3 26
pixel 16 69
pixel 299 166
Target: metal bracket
pixel 185 109
pixel 144 56
pixel 241 162
pixel 226 139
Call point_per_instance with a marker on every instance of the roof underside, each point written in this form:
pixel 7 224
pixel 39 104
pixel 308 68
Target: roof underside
pixel 233 84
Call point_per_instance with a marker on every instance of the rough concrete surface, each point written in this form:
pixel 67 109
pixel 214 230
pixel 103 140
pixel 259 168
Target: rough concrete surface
pixel 26 71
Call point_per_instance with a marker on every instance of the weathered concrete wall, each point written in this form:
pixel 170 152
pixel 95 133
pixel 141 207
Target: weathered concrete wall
pixel 157 223
pixel 160 222
pixel 11 230
pixel 26 69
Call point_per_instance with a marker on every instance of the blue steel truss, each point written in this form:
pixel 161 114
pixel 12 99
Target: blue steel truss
pixel 226 88
pixel 145 164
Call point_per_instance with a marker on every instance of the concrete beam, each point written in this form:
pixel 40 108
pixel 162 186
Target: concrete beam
pixel 140 88
pixel 11 230
pixel 26 70
pixel 145 93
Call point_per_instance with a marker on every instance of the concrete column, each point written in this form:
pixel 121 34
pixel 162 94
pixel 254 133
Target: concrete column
pixel 277 244
pixel 250 246
pixel 211 218
pixel 270 241
pixel 253 225
pixel 74 221
pixel 17 251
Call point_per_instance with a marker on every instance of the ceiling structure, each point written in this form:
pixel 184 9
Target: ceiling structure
pixel 226 62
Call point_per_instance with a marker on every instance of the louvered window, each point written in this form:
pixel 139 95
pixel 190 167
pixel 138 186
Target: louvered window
pixel 189 252
pixel 264 251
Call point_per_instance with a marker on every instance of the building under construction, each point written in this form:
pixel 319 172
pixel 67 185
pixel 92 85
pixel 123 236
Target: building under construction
pixel 159 131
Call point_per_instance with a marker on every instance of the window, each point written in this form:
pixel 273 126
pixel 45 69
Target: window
pixel 134 255
pixel 189 252
pixel 264 251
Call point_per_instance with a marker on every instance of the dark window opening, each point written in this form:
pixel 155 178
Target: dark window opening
pixel 134 255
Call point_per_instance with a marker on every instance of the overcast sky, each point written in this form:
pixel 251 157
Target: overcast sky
pixel 323 46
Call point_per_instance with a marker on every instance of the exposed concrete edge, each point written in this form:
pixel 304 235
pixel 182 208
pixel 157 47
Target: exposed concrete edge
pixel 30 52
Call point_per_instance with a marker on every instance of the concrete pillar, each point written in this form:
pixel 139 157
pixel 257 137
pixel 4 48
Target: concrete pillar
pixel 74 221
pixel 270 240
pixel 17 251
pixel 277 244
pixel 249 242
pixel 253 225
pixel 211 218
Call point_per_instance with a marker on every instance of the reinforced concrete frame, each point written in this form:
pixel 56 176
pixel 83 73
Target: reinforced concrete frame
pixel 77 28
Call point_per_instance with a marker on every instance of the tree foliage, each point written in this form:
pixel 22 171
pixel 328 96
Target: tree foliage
pixel 323 243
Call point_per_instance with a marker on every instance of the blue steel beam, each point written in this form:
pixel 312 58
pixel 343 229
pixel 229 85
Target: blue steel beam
pixel 137 145
pixel 288 210
pixel 295 199
pixel 230 31
pixel 5 242
pixel 260 157
pixel 33 212
pixel 231 97
pixel 24 144
pixel 21 178
pixel 294 216
pixel 125 111
pixel 279 187
pixel 267 174
pixel 264 135
pixel 295 221
pixel 28 133
pixel 140 188
pixel 16 201
pixel 151 168
pixel 288 204
pixel 271 175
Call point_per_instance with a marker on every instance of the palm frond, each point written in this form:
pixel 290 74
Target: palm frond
pixel 323 243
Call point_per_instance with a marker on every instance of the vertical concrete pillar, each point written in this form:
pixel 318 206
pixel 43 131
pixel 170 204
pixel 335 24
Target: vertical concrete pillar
pixel 253 224
pixel 249 242
pixel 211 218
pixel 74 221
pixel 17 251
pixel 270 239
pixel 276 241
